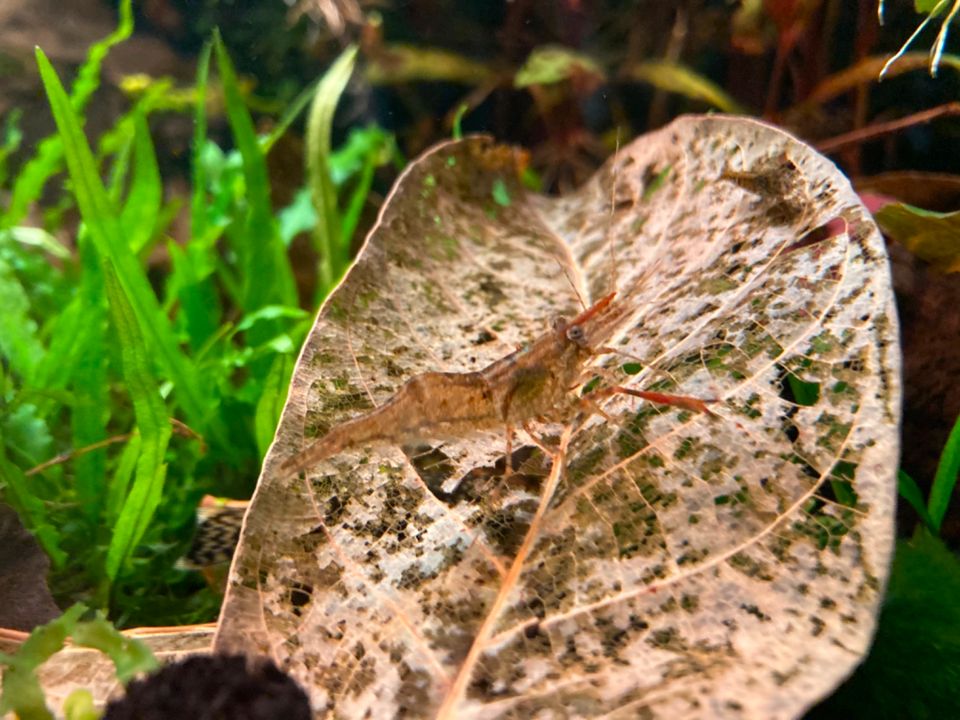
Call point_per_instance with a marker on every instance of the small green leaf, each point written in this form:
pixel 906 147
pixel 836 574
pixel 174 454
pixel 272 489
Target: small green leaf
pixel 22 693
pixel 38 237
pixel 458 119
pixel 193 284
pixel 931 236
pixel 366 149
pixel 910 491
pixel 551 64
pixel 501 196
pixel 79 705
pixel 297 217
pixel 129 656
pixel 270 312
pixel 19 340
pixel 401 63
pixel 76 334
pixel 362 145
pixel 26 431
pixel 805 393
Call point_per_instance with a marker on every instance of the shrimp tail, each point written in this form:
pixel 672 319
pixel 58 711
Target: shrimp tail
pixel 366 429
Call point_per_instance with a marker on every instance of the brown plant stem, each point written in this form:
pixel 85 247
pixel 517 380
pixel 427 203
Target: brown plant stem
pixel 878 130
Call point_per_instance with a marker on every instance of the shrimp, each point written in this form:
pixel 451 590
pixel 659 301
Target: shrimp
pixel 533 383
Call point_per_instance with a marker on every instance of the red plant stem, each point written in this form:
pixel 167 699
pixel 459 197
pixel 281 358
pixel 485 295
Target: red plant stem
pixel 877 130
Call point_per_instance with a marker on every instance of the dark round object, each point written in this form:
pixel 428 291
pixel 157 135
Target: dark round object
pixel 213 687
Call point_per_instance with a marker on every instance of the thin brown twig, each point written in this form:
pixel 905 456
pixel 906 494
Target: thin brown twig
pixel 179 427
pixel 877 130
pixel 65 456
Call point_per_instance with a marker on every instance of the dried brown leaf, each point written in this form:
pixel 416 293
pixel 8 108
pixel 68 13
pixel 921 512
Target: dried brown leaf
pixel 657 562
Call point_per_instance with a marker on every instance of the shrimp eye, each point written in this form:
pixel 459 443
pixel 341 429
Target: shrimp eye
pixel 576 335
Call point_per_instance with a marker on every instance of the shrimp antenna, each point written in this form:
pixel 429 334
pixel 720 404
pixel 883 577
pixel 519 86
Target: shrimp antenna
pixel 613 199
pixel 573 285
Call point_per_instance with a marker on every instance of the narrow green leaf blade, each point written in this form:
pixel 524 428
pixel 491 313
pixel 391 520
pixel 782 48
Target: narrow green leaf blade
pixel 365 150
pixel 333 254
pixel 292 112
pixel 946 478
pixel 271 401
pixel 198 199
pixel 91 409
pixel 142 207
pixel 119 484
pixel 358 198
pixel 262 252
pixel 680 79
pixel 152 423
pixel 910 491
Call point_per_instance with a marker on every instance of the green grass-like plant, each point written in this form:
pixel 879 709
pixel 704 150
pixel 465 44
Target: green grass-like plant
pixel 123 398
pixel 944 482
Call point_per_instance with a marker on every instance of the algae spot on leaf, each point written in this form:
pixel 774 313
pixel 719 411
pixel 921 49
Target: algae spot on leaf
pixel 654 180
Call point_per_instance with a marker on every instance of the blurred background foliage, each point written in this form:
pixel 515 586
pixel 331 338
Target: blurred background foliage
pixel 168 231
